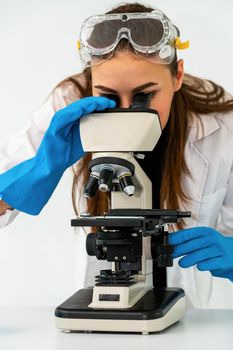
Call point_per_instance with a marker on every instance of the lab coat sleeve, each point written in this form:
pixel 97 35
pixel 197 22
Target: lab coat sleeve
pixel 24 143
pixel 225 223
pixel 8 217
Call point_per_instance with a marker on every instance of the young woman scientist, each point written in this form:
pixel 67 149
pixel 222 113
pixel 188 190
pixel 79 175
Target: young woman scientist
pixel 194 153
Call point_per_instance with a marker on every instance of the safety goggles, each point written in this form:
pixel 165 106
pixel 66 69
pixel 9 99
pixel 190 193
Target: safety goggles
pixel 150 34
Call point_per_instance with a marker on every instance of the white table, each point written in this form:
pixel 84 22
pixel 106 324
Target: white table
pixel 25 328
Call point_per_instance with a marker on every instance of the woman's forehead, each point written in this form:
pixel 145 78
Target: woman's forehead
pixel 127 65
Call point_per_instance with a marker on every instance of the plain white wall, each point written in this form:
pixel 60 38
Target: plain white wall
pixel 38 262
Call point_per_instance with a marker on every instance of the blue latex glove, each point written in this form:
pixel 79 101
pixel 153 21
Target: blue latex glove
pixel 29 185
pixel 206 248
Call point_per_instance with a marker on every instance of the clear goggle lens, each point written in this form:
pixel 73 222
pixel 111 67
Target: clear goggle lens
pixel 150 34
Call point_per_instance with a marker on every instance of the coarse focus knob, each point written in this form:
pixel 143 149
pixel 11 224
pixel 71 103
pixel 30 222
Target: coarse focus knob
pixel 91 244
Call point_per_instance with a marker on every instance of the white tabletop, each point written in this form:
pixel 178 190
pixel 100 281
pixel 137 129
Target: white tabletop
pixel 33 328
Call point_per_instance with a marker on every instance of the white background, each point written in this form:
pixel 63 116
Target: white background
pixel 38 260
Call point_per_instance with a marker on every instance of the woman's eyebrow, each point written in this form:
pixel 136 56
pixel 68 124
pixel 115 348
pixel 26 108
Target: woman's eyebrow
pixel 136 89
pixel 144 86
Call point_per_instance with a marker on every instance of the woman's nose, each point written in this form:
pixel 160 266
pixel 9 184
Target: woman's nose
pixel 125 102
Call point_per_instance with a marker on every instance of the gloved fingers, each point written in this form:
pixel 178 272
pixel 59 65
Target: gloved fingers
pixel 187 234
pixel 74 111
pixel 199 256
pixel 191 246
pixel 104 103
pixel 96 103
pixel 223 273
pixel 216 263
pixel 217 273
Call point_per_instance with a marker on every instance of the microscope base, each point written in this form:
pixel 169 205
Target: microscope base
pixel 157 310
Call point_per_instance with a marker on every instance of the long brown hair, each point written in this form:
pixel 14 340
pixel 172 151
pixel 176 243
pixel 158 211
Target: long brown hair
pixel 192 99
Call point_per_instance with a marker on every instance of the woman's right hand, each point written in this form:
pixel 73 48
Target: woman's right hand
pixel 61 144
pixel 29 185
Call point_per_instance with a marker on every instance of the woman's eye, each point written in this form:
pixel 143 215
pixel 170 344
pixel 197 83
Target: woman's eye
pixel 113 97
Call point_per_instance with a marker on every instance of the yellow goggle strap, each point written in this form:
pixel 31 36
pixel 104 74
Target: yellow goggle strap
pixel 179 45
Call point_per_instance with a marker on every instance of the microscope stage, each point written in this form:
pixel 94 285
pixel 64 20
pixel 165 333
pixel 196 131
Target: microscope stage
pixel 157 310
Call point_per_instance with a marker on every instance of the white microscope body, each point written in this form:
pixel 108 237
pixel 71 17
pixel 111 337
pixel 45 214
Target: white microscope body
pixel 124 299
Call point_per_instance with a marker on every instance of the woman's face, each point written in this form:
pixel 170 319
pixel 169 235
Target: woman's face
pixel 126 74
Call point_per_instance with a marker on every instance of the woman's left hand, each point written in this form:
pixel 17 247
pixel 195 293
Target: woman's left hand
pixel 206 248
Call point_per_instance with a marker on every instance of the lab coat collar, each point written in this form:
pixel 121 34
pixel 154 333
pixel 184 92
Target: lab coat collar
pixel 203 127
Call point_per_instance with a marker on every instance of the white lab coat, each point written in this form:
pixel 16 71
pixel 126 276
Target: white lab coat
pixel 210 160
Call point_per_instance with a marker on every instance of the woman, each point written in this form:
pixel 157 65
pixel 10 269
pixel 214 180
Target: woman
pixel 196 116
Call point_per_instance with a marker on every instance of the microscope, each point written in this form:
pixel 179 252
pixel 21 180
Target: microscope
pixel 130 235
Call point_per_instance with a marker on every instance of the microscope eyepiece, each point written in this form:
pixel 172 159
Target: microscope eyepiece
pixel 141 100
